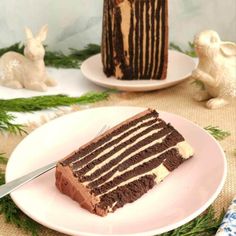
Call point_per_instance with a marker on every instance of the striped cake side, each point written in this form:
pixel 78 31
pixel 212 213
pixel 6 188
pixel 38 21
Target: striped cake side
pixel 124 163
pixel 135 39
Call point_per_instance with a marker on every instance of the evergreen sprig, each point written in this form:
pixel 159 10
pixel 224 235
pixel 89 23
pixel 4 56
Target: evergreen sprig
pixel 17 47
pixel 13 214
pixel 51 101
pixel 190 52
pixel 60 60
pixel 89 50
pixel 3 159
pixel 216 132
pixel 204 225
pixel 7 123
pixel 57 58
pixel 8 208
pixel 39 103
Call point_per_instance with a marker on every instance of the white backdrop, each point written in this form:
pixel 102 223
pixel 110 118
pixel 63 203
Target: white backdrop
pixel 74 23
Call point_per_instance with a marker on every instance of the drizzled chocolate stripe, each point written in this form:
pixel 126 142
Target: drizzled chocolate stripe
pixel 141 169
pixel 157 62
pixel 110 40
pixel 109 62
pixel 163 39
pixel 131 46
pixel 171 140
pixel 152 39
pixel 136 69
pixel 92 146
pixel 118 41
pixel 95 162
pixel 147 41
pixel 110 144
pixel 104 35
pixel 141 40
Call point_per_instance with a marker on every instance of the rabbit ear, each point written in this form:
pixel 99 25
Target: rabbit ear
pixel 42 34
pixel 228 49
pixel 28 33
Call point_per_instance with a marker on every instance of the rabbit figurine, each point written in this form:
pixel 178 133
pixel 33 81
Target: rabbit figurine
pixel 28 71
pixel 216 69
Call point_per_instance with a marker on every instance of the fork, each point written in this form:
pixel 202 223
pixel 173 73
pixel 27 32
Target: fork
pixel 15 184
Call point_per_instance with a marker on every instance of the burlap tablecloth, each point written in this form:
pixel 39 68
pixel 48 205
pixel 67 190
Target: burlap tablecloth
pixel 178 100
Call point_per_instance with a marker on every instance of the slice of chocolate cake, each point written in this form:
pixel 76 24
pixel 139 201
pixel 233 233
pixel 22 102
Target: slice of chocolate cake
pixel 135 39
pixel 122 164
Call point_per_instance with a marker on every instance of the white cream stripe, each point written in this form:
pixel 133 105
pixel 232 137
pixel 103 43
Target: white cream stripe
pixel 160 172
pixel 130 155
pixel 119 135
pixel 118 173
pixel 98 166
pixel 154 171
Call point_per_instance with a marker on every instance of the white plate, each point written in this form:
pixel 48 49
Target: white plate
pixel 180 67
pixel 183 195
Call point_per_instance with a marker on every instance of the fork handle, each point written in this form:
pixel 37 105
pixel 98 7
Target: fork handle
pixel 14 184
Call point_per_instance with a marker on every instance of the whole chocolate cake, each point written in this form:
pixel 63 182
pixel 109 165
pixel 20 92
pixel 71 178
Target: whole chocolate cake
pixel 135 39
pixel 122 164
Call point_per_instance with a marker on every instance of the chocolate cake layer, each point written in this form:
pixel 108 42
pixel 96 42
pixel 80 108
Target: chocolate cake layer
pixel 135 39
pixel 122 164
pixel 145 116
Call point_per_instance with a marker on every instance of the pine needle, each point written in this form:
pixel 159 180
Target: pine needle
pixel 216 132
pixel 17 47
pixel 58 59
pixel 7 207
pixel 39 103
pixel 190 52
pixel 175 47
pixel 7 125
pixel 3 160
pixel 73 60
pixel 89 50
pixel 204 225
pixel 13 215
